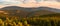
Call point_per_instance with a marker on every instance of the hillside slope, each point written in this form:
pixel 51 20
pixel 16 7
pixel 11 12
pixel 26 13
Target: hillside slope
pixel 28 12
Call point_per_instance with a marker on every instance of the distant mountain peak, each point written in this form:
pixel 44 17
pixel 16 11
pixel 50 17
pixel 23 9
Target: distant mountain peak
pixel 31 9
pixel 11 8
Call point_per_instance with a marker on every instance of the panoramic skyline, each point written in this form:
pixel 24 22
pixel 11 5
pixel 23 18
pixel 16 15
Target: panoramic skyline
pixel 25 1
pixel 30 3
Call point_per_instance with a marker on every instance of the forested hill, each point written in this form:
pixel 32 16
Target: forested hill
pixel 30 9
pixel 29 12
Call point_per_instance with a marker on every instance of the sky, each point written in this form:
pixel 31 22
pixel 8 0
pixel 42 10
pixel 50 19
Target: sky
pixel 9 2
pixel 29 3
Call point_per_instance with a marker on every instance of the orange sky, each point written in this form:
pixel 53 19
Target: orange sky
pixel 31 4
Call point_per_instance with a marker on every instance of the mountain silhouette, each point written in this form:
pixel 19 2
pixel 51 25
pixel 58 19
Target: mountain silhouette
pixel 11 8
pixel 50 9
pixel 29 12
pixel 30 9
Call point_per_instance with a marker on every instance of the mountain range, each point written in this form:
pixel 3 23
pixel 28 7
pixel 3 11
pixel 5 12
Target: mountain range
pixel 31 11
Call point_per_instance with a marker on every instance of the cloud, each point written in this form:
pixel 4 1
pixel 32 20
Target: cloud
pixel 9 2
pixel 30 3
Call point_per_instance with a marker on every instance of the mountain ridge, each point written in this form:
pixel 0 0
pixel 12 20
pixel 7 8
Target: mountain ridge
pixel 30 9
pixel 29 12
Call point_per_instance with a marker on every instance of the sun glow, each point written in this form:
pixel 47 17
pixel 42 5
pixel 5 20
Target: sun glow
pixel 31 3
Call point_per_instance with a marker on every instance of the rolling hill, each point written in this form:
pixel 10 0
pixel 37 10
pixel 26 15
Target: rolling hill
pixel 28 12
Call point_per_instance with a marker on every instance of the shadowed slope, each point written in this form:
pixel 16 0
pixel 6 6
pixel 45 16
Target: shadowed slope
pixel 30 9
pixel 27 12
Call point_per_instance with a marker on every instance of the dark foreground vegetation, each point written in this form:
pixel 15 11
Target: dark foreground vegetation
pixel 44 20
